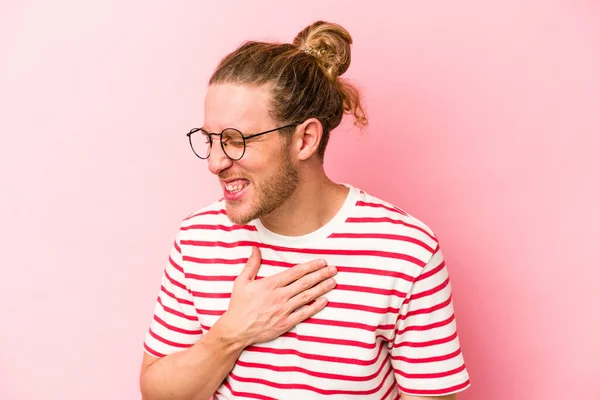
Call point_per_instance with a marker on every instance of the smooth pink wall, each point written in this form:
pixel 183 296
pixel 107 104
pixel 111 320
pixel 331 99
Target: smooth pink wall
pixel 485 123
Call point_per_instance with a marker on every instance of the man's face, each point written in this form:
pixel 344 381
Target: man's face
pixel 265 177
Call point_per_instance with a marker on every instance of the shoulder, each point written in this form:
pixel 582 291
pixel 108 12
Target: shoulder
pixel 375 215
pixel 210 215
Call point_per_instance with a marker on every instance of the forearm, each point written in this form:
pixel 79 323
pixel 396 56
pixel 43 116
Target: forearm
pixel 193 374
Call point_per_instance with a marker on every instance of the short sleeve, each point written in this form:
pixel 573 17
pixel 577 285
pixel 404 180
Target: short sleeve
pixel 175 326
pixel 426 354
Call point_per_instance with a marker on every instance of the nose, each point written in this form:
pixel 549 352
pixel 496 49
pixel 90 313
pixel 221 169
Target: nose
pixel 217 160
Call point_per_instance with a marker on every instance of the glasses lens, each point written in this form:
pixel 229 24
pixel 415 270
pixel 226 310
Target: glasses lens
pixel 200 142
pixel 233 143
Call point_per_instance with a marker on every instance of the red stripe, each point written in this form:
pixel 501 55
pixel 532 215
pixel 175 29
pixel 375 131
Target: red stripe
pixel 153 352
pixel 360 307
pixel 387 392
pixel 346 324
pixel 428 343
pixel 332 304
pixel 358 270
pixel 210 312
pixel 342 342
pixel 431 291
pixel 436 392
pixel 421 328
pixel 177 329
pixel 174 282
pixel 220 227
pixel 431 375
pixel 318 357
pixel 425 360
pixel 379 205
pixel 368 289
pixel 428 310
pixel 283 264
pixel 224 278
pixel 363 220
pixel 205 327
pixel 305 371
pixel 169 342
pixel 217 260
pixel 180 301
pixel 380 272
pixel 175 265
pixel 401 238
pixel 432 272
pixel 351 288
pixel 177 247
pixel 211 212
pixel 175 312
pixel 370 253
pixel 308 387
pixel 246 394
pixel 211 295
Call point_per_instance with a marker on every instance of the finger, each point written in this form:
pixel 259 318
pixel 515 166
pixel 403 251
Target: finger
pixel 310 280
pixel 305 312
pixel 298 271
pixel 251 269
pixel 305 297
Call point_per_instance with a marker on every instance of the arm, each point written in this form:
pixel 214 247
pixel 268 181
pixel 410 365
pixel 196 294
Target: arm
pixel 426 354
pixel 259 310
pixel 193 374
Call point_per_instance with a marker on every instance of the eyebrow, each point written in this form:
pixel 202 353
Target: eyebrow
pixel 244 134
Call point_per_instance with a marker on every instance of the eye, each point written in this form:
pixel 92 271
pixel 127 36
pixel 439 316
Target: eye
pixel 232 138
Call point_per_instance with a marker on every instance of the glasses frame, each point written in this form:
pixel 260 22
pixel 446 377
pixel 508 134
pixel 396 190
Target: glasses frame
pixel 220 135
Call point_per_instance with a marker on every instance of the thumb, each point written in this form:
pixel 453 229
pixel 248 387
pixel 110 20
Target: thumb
pixel 251 269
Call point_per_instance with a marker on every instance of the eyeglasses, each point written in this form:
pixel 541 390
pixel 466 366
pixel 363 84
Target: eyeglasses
pixel 233 142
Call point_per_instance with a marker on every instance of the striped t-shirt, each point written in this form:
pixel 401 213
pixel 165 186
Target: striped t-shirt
pixel 388 327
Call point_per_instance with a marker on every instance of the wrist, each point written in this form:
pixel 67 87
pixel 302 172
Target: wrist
pixel 228 336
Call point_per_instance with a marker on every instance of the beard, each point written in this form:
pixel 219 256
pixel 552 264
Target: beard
pixel 268 195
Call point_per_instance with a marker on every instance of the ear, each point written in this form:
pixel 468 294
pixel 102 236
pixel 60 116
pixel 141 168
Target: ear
pixel 307 138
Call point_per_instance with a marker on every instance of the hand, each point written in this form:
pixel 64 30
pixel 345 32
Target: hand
pixel 261 310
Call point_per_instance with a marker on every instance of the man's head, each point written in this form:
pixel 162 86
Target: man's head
pixel 263 86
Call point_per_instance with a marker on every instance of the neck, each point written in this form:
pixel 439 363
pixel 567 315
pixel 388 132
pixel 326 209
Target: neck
pixel 316 200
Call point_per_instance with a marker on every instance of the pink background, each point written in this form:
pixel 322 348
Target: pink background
pixel 485 123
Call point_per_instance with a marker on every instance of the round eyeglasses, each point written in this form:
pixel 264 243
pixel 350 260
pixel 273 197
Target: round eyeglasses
pixel 233 142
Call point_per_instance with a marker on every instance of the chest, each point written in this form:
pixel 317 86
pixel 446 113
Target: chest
pixel 362 309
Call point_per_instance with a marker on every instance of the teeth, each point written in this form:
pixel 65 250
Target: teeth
pixel 235 187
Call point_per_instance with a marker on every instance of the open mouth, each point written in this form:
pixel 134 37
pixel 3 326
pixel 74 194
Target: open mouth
pixel 236 186
pixel 235 189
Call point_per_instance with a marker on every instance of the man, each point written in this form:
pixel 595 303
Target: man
pixel 343 295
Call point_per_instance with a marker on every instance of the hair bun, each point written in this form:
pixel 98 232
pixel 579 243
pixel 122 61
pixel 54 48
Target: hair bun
pixel 329 43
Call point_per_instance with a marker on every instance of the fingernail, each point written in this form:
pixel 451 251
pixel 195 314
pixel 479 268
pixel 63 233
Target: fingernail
pixel 332 269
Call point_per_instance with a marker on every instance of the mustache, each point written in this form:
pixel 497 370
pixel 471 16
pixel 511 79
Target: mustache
pixel 224 176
